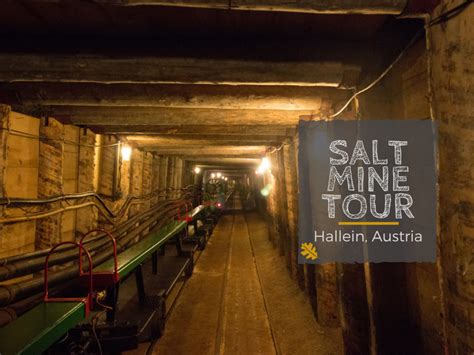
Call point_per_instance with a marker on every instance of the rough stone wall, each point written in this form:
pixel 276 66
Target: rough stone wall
pixel 451 56
pixel 50 179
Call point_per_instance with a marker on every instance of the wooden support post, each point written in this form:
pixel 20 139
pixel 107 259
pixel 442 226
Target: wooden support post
pixel 51 148
pixel 156 176
pixel 86 217
pixel 163 176
pixel 291 178
pixel 4 117
pixel 136 178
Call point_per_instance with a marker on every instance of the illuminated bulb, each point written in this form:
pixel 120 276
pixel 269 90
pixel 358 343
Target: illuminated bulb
pixel 197 170
pixel 265 165
pixel 225 178
pixel 213 176
pixel 126 152
pixel 219 175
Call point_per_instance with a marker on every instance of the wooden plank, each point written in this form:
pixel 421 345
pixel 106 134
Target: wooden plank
pixel 166 70
pixel 90 116
pixel 174 140
pixel 366 7
pixel 178 96
pixel 205 150
pixel 391 7
pixel 194 129
pixel 223 141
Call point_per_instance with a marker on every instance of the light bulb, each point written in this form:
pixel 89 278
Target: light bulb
pixel 265 164
pixel 126 152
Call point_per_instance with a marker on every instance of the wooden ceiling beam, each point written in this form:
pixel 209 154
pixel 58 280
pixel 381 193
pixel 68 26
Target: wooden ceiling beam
pixel 194 130
pixel 67 68
pixel 205 139
pixel 140 116
pixel 389 7
pixel 172 96
pixel 232 151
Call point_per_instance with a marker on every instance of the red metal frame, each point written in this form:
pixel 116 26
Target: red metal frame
pixel 102 279
pixel 185 203
pixel 86 300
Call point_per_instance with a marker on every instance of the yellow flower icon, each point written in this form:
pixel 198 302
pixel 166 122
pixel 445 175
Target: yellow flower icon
pixel 308 250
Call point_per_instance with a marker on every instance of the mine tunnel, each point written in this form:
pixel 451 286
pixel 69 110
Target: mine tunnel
pixel 154 158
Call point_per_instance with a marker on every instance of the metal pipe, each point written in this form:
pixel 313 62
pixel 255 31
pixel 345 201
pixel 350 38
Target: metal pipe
pixel 34 262
pixel 15 258
pixel 13 292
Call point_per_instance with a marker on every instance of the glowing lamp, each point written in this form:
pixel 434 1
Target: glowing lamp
pixel 197 170
pixel 126 152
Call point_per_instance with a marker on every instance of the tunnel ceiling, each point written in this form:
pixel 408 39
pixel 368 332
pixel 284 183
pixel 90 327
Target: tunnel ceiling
pixel 211 85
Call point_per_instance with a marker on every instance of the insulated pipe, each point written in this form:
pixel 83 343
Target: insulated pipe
pixel 17 291
pixel 366 7
pixel 11 259
pixel 110 215
pixel 35 262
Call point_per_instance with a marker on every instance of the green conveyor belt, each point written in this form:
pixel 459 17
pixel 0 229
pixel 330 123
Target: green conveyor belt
pixel 36 330
pixel 129 259
pixel 39 328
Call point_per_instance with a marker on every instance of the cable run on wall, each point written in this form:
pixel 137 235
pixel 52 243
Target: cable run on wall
pixel 444 17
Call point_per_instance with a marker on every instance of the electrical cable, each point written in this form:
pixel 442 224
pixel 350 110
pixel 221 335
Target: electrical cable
pixel 95 320
pixel 109 215
pixel 94 331
pixel 448 15
pixel 272 150
pixel 440 19
pixel 380 77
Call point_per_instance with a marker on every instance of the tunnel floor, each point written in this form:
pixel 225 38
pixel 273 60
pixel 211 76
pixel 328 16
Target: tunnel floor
pixel 241 300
